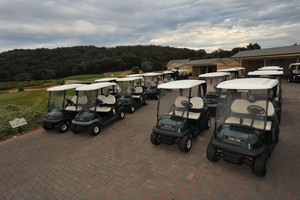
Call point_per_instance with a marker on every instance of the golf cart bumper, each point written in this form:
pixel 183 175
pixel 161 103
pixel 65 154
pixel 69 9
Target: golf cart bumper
pixel 88 123
pixel 235 154
pixel 53 121
pixel 168 137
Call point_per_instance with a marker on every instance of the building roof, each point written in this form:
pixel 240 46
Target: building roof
pixel 294 49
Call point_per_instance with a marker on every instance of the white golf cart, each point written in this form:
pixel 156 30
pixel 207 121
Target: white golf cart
pixel 152 80
pixel 277 101
pixel 132 92
pixel 268 68
pixel 109 79
pixel 59 115
pixel 294 73
pixel 168 76
pixel 235 72
pixel 181 113
pixel 101 108
pixel 246 128
pixel 212 80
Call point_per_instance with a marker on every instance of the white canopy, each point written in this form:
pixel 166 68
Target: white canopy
pixel 64 87
pixel 214 74
pixel 152 74
pixel 265 73
pixel 109 79
pixel 270 68
pixel 181 84
pixel 129 78
pixel 248 84
pixel 95 86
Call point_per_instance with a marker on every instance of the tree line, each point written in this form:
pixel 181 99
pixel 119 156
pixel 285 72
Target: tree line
pixel 41 64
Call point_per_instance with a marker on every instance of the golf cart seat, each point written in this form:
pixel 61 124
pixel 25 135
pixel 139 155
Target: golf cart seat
pixel 179 109
pixel 82 100
pixel 195 110
pixel 241 115
pixel 137 92
pixel 107 103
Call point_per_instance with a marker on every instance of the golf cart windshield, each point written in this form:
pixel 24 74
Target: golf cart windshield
pixel 180 102
pixel 127 86
pixel 56 100
pixel 151 81
pixel 246 107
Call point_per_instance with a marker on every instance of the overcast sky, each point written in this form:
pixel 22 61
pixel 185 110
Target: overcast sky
pixel 203 24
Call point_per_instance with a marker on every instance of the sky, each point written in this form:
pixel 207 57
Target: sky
pixel 193 24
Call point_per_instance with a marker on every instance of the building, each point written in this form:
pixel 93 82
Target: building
pixel 279 56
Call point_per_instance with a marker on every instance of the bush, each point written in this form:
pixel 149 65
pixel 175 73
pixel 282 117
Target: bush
pixel 33 115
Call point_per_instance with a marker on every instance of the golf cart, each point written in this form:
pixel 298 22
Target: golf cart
pixel 132 93
pixel 235 72
pixel 181 113
pixel 246 128
pixel 277 101
pixel 152 80
pixel 109 79
pixel 294 73
pixel 59 115
pixel 212 80
pixel 100 109
pixel 168 76
pixel 268 68
pixel 183 74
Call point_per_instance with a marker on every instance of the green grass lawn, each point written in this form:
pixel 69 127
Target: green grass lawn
pixel 23 98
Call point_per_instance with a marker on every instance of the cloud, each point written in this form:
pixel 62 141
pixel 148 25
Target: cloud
pixel 202 24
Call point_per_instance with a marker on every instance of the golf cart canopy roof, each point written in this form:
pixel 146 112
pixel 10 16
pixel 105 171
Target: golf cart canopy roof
pixel 214 74
pixel 168 72
pixel 232 69
pixel 135 75
pixel 130 78
pixel 249 84
pixel 152 74
pixel 64 87
pixel 95 86
pixel 265 73
pixel 106 79
pixel 270 68
pixel 181 84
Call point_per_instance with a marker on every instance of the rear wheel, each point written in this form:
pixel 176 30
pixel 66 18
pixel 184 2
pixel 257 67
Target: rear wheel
pixel 211 153
pixel 288 79
pixel 132 109
pixel 260 165
pixel 62 127
pixel 94 129
pixel 208 123
pixel 277 131
pixel 185 144
pixel 154 139
pixel 145 100
pixel 122 114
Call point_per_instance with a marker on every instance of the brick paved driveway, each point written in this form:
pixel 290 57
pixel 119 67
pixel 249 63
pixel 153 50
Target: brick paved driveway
pixel 121 163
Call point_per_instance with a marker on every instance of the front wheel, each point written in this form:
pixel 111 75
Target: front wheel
pixel 122 114
pixel 288 79
pixel 46 126
pixel 260 165
pixel 62 127
pixel 145 100
pixel 132 109
pixel 154 139
pixel 208 123
pixel 94 129
pixel 185 144
pixel 211 153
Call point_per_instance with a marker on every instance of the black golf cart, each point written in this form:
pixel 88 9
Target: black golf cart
pixel 294 73
pixel 59 115
pixel 181 113
pixel 152 80
pixel 132 92
pixel 277 101
pixel 212 80
pixel 101 108
pixel 246 129
pixel 235 72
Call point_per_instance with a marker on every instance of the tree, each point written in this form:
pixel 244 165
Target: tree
pixel 147 66
pixel 135 70
pixel 251 46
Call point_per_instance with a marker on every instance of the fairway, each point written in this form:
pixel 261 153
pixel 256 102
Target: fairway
pixel 28 98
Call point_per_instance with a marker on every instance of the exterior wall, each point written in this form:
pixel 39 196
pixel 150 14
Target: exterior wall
pixel 197 70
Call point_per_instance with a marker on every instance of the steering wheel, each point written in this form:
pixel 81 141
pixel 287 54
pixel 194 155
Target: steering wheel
pixel 256 109
pixel 69 101
pixel 186 103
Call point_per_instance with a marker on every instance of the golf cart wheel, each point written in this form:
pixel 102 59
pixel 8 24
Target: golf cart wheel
pixel 157 96
pixel 211 153
pixel 145 100
pixel 46 127
pixel 208 123
pixel 61 127
pixel 74 128
pixel 122 114
pixel 185 144
pixel 94 129
pixel 288 79
pixel 154 139
pixel 132 109
pixel 260 165
pixel 277 131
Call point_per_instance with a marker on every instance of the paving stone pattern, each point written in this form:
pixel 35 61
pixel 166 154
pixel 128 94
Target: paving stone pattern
pixel 121 163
